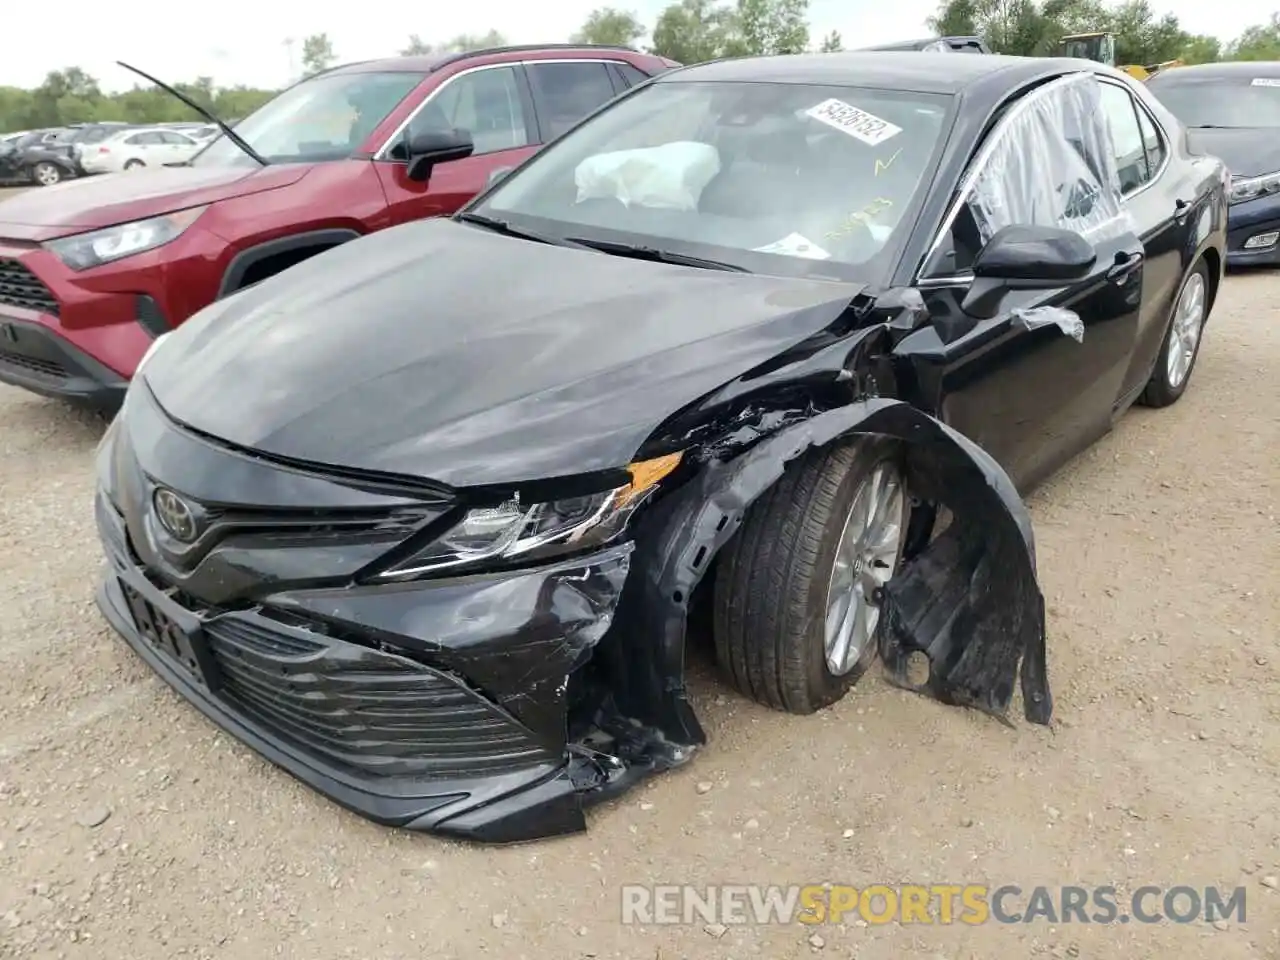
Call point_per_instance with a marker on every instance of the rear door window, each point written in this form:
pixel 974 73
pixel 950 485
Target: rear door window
pixel 564 93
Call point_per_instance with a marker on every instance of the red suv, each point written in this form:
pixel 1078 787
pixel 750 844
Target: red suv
pixel 91 272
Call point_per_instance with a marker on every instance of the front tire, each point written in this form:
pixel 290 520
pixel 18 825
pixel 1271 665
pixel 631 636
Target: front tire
pixel 1181 345
pixel 796 590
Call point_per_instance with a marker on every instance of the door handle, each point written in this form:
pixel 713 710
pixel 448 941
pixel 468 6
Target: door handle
pixel 1181 210
pixel 1125 264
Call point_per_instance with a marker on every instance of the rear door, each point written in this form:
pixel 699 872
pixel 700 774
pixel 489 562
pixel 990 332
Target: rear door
pixel 1163 202
pixel 566 91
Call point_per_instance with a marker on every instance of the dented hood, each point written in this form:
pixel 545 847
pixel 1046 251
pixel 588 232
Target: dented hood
pixel 89 203
pixel 443 350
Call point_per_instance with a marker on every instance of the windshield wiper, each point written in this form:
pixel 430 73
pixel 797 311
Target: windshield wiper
pixel 502 226
pixel 208 115
pixel 637 252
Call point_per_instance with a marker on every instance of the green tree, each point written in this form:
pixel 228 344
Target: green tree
pixel 610 26
pixel 768 27
pixel 1258 43
pixel 832 43
pixel 1201 49
pixel 317 54
pixel 417 47
pixel 954 18
pixel 693 31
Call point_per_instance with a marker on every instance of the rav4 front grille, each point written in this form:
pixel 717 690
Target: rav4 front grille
pixel 22 288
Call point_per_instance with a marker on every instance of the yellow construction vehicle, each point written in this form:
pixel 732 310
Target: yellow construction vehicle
pixel 1101 48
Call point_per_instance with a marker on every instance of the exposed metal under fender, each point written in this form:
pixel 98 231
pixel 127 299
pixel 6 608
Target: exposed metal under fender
pixel 968 599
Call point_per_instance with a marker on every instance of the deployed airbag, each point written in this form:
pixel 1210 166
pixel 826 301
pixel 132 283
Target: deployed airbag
pixel 670 177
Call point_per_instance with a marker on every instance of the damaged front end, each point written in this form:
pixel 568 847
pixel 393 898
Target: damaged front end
pixel 494 703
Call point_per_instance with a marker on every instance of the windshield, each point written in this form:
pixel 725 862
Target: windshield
pixel 326 118
pixel 1222 101
pixel 770 177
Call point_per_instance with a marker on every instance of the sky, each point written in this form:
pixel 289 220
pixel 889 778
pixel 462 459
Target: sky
pixel 244 41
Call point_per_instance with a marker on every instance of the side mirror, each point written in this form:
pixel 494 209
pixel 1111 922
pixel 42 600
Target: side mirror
pixel 1026 258
pixel 497 175
pixel 430 147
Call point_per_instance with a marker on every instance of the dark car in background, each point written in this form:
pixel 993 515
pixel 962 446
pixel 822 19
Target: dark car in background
pixel 423 518
pixel 37 157
pixel 1232 111
pixel 83 136
pixel 90 277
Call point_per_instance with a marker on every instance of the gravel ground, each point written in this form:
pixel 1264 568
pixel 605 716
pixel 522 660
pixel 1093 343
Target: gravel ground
pixel 130 828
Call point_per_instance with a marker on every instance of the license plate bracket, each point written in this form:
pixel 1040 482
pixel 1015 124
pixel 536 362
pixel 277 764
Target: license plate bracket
pixel 174 634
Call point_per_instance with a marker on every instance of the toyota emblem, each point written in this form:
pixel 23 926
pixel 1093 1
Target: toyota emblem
pixel 175 517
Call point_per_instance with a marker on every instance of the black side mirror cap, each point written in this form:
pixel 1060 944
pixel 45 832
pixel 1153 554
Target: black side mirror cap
pixel 1026 258
pixel 430 147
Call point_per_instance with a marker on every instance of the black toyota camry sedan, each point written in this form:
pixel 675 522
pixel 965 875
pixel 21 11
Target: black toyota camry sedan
pixel 773 345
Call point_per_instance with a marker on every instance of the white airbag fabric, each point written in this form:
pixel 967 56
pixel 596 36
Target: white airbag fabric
pixel 669 177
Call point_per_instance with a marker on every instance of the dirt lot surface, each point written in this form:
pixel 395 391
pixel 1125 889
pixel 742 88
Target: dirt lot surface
pixel 130 828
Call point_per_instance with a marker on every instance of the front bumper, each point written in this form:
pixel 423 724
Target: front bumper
pixel 35 358
pixel 1252 219
pixel 80 335
pixel 439 706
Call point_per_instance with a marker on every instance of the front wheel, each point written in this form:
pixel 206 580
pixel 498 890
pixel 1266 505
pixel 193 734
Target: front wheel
pixel 797 591
pixel 46 174
pixel 1181 346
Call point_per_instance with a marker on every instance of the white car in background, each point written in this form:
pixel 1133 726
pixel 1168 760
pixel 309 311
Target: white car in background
pixel 136 149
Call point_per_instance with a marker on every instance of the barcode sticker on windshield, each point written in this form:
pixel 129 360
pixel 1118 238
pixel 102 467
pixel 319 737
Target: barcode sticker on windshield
pixel 847 118
pixel 1266 82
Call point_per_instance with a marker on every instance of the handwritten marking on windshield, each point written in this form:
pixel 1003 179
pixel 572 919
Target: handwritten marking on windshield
pixel 883 165
pixel 859 218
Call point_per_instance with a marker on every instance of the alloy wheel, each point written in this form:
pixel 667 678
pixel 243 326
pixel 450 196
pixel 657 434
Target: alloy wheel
pixel 47 174
pixel 1184 332
pixel 866 556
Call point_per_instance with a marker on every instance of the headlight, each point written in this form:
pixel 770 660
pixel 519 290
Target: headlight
pixel 515 530
pixel 1250 188
pixel 87 250
pixel 151 352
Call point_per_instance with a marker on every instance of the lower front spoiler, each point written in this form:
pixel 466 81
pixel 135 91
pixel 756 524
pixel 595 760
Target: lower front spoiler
pixel 507 807
pixel 37 360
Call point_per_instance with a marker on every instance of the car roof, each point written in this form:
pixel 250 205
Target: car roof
pixel 920 73
pixel 434 61
pixel 1234 70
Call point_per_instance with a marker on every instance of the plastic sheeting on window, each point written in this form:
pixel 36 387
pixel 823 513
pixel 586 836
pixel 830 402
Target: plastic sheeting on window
pixel 1051 163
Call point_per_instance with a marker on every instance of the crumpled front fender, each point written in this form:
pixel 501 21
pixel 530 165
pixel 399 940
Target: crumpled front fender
pixel 967 599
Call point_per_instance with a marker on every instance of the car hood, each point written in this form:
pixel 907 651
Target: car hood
pixel 1247 152
pixel 441 350
pixel 93 202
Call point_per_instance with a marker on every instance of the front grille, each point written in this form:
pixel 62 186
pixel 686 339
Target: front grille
pixel 33 366
pixel 22 288
pixel 364 709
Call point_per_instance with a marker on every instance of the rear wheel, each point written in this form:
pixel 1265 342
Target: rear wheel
pixel 46 174
pixel 133 164
pixel 797 591
pixel 1181 346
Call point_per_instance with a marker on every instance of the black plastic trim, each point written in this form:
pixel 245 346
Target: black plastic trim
pixel 242 261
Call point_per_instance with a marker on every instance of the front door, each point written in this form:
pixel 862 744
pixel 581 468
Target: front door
pixel 493 105
pixel 1021 385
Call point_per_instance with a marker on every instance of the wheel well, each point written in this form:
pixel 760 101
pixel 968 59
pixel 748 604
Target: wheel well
pixel 274 263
